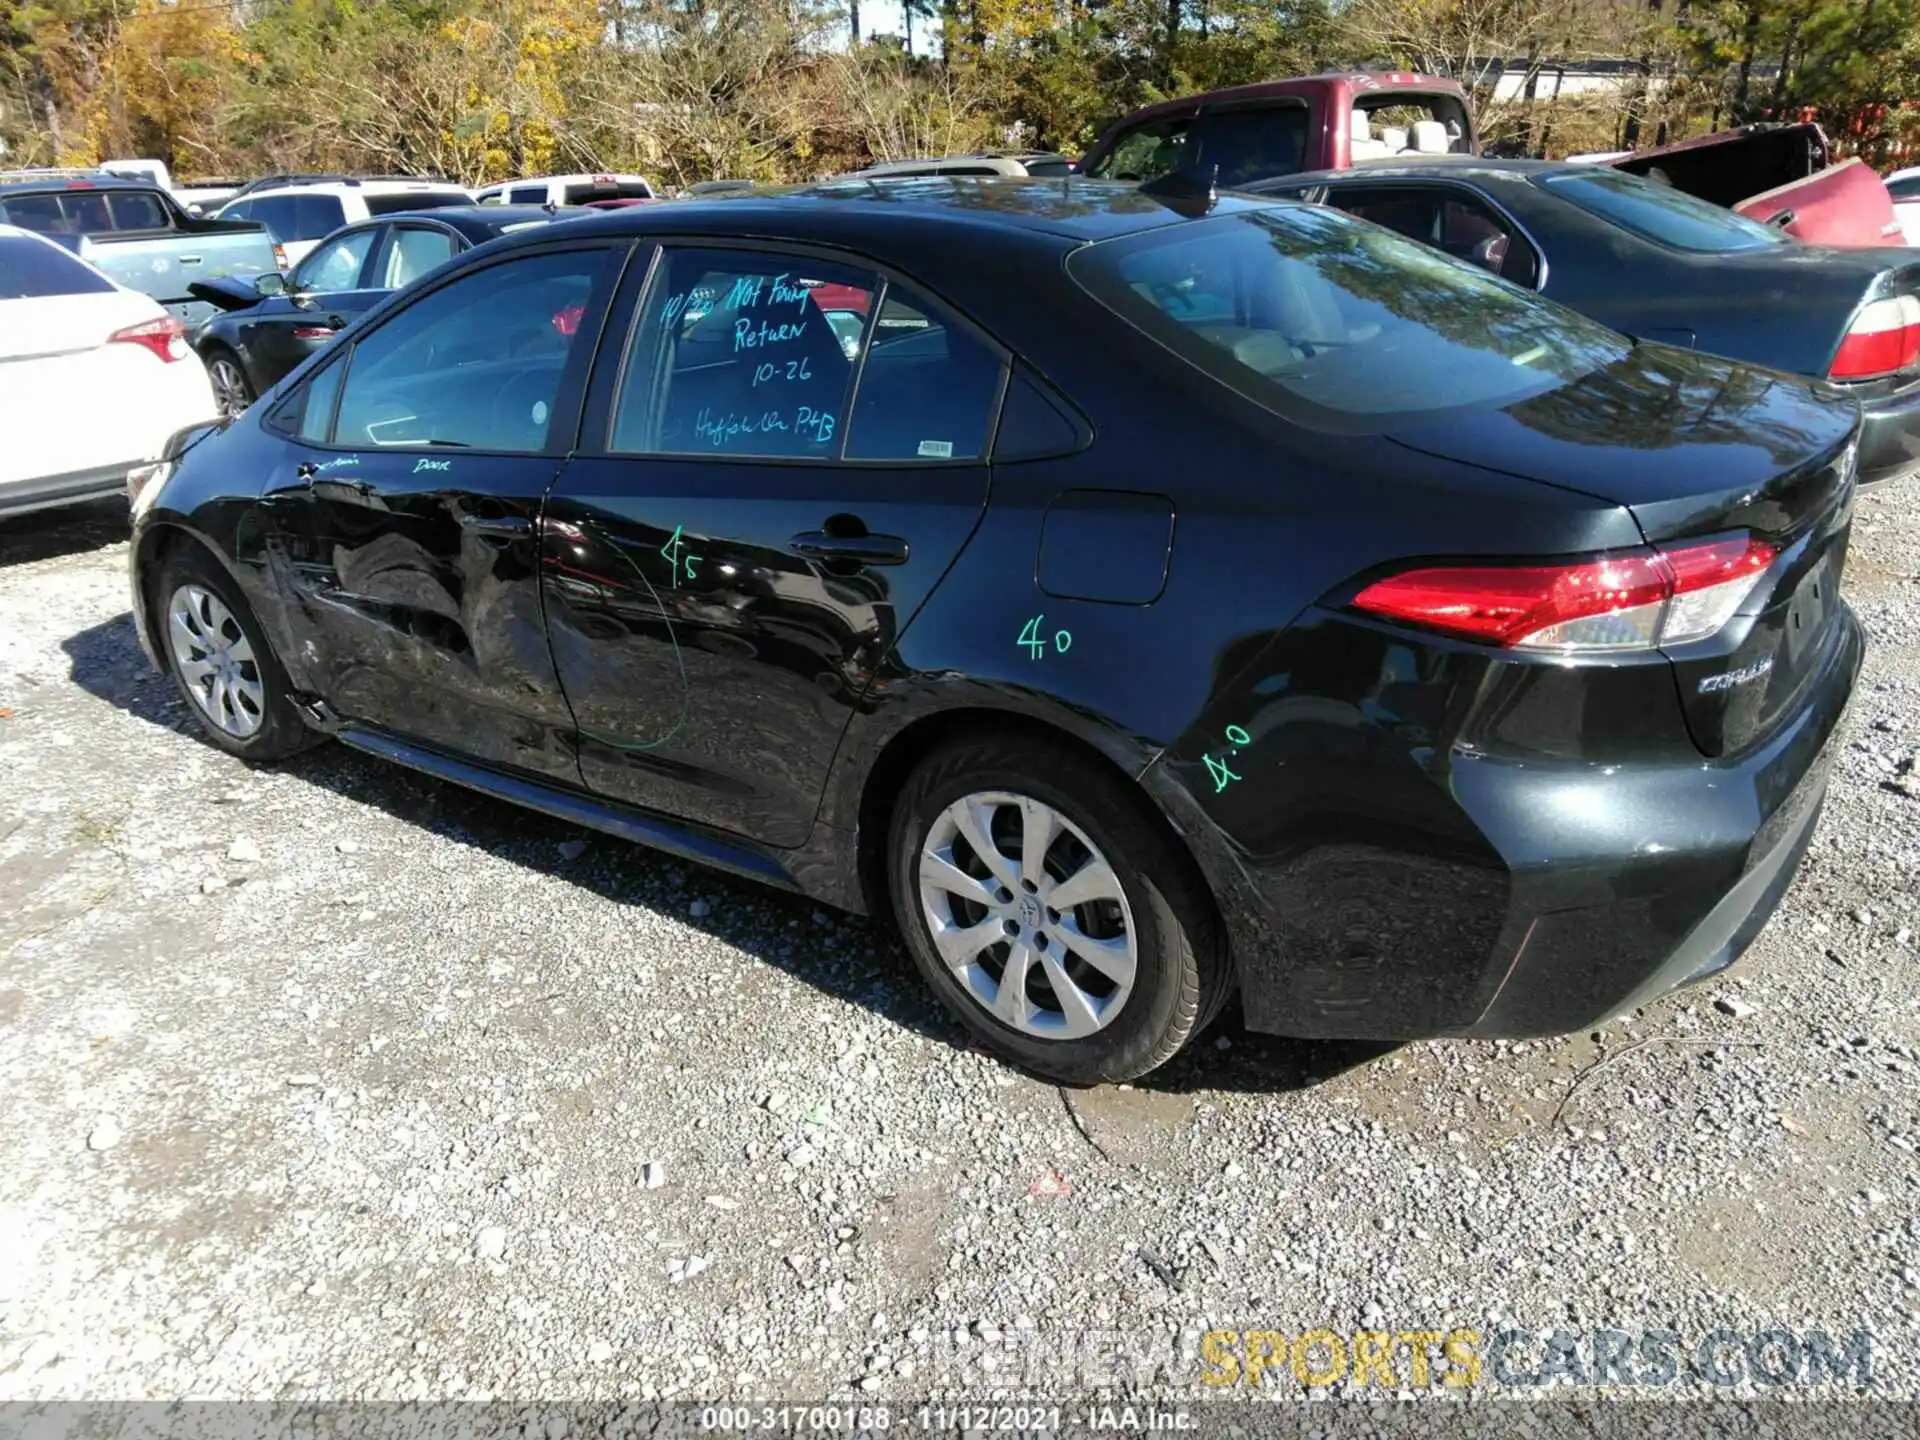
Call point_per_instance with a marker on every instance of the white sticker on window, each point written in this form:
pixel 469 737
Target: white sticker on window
pixel 937 449
pixel 539 412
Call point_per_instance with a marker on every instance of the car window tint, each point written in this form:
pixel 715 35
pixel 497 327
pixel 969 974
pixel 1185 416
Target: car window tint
pixel 1317 316
pixel 316 412
pixel 1146 152
pixel 585 193
pixel 39 213
pixel 1905 189
pixel 1662 214
pixel 138 210
pixel 317 215
pixel 337 264
pixel 476 363
pixel 743 353
pixel 276 213
pixel 1252 144
pixel 527 195
pixel 412 253
pixel 89 214
pixel 1048 168
pixel 927 390
pixel 32 268
pixel 1449 220
pixel 415 200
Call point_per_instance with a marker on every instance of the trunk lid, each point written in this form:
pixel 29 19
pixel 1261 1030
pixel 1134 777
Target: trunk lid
pixel 1695 447
pixel 46 326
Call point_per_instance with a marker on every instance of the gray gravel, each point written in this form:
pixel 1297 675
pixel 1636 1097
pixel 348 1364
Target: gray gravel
pixel 333 1081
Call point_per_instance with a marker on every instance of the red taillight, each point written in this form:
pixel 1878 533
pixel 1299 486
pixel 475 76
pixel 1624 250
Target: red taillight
pixel 280 257
pixel 313 332
pixel 1636 600
pixel 165 337
pixel 1884 339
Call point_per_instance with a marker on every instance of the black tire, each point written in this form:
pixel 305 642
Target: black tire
pixel 281 732
pixel 1182 973
pixel 233 392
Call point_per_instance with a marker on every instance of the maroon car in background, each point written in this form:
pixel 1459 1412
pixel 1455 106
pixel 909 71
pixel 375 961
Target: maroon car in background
pixel 1282 127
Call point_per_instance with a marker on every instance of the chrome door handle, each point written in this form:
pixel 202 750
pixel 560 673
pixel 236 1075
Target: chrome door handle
pixel 862 549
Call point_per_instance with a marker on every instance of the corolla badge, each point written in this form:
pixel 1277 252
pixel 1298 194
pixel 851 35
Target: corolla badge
pixel 1732 679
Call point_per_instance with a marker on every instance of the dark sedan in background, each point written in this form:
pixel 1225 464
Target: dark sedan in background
pixel 270 325
pixel 1139 600
pixel 1660 265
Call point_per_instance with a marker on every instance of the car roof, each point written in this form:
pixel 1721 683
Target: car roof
pixel 353 187
pixel 1456 167
pixel 854 209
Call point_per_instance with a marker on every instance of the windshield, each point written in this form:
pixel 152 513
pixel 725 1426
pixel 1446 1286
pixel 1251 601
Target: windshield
pixel 1662 214
pixel 1336 323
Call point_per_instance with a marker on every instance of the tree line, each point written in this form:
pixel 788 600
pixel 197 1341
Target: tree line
pixel 773 90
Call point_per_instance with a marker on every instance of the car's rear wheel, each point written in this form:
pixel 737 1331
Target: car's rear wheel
pixel 231 392
pixel 1061 925
pixel 220 659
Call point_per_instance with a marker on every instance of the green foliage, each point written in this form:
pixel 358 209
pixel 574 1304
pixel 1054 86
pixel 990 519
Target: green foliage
pixel 765 89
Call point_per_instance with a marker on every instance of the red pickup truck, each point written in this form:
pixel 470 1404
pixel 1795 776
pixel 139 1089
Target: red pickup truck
pixel 1282 127
pixel 1778 174
pixel 1781 175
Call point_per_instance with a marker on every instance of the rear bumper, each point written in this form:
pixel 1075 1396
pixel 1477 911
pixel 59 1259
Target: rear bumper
pixel 1890 436
pixel 46 492
pixel 1589 891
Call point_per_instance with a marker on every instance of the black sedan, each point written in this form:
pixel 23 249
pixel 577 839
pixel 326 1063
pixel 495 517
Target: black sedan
pixel 1138 601
pixel 1657 264
pixel 270 326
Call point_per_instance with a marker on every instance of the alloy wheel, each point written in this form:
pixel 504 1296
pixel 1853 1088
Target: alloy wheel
pixel 1028 915
pixel 216 661
pixel 230 390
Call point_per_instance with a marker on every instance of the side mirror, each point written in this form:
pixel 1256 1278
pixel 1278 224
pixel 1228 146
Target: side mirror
pixel 272 283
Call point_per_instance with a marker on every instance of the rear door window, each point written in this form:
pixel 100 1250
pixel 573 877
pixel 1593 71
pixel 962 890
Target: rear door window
pixel 1447 218
pixel 1147 151
pixel 1254 142
pixel 928 388
pixel 33 269
pixel 316 216
pixel 411 253
pixel 278 213
pixel 743 353
pixel 527 195
pixel 1338 325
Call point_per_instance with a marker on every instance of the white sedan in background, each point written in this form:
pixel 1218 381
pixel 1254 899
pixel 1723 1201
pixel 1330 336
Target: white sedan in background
pixel 93 378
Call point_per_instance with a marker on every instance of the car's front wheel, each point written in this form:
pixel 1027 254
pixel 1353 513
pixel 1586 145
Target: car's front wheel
pixel 231 392
pixel 1051 915
pixel 220 659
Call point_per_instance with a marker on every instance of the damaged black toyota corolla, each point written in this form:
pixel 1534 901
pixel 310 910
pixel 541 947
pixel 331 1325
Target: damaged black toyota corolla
pixel 1142 598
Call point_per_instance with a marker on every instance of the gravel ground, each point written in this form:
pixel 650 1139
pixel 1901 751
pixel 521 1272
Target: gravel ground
pixel 332 1081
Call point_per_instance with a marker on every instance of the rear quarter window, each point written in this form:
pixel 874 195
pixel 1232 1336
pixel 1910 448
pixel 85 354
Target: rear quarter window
pixel 317 216
pixel 1337 324
pixel 33 269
